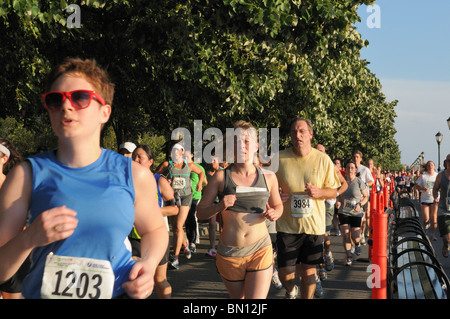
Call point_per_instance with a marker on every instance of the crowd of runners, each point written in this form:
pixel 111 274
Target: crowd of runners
pixel 82 221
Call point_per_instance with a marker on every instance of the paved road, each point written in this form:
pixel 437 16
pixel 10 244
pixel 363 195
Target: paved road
pixel 197 278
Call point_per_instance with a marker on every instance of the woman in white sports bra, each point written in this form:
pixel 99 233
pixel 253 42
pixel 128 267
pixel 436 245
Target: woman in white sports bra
pixel 248 195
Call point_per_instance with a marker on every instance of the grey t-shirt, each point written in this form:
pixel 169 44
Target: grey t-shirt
pixel 351 197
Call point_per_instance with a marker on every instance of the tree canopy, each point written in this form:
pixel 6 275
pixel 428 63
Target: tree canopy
pixel 173 62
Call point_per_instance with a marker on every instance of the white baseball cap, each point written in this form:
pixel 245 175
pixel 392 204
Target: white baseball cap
pixel 178 147
pixel 129 146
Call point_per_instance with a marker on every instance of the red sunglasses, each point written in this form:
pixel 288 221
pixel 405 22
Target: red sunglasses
pixel 80 99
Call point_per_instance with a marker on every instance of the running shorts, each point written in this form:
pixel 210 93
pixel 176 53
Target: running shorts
pixel 427 204
pixel 186 200
pixel 14 284
pixel 352 221
pixel 293 249
pixel 443 224
pixel 235 265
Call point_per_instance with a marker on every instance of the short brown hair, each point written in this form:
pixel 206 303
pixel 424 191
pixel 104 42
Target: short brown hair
pixel 88 69
pixel 358 152
pixel 299 119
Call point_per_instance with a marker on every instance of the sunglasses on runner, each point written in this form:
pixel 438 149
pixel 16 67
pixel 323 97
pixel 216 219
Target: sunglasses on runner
pixel 80 99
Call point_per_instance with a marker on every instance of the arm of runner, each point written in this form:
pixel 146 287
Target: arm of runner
pixel 274 209
pixel 206 207
pixel 322 193
pixel 199 172
pixel 162 168
pixel 437 185
pixel 344 184
pixel 15 242
pixel 150 225
pixel 168 196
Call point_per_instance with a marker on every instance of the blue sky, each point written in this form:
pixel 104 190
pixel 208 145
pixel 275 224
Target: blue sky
pixel 410 53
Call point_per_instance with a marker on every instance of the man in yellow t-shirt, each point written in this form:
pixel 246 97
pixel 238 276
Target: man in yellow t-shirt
pixel 306 177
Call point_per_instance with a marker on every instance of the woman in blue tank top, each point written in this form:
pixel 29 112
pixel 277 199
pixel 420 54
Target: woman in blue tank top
pixel 83 201
pixel 143 155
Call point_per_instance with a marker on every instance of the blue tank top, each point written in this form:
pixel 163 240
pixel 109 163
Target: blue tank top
pixel 102 194
pixel 160 198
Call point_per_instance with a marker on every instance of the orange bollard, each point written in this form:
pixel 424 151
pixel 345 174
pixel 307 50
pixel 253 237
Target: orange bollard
pixel 392 185
pixel 379 259
pixel 372 211
pixel 385 195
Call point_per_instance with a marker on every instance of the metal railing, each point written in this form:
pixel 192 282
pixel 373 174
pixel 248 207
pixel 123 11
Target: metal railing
pixel 414 272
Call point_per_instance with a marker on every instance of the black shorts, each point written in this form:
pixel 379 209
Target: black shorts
pixel 299 248
pixel 352 221
pixel 136 250
pixel 426 204
pixel 14 284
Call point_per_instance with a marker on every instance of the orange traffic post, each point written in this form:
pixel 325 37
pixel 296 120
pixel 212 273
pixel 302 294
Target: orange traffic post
pixel 386 195
pixel 379 259
pixel 372 211
pixel 390 193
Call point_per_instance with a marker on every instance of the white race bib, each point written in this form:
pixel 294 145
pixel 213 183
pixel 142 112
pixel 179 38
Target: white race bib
pixel 178 182
pixel 301 206
pixel 348 206
pixel 77 278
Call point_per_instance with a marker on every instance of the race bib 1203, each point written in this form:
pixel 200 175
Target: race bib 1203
pixel 77 278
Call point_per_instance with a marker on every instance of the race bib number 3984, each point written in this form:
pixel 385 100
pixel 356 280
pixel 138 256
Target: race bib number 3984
pixel 77 278
pixel 301 206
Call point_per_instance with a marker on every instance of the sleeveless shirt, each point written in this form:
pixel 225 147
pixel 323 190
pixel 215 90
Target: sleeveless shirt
pixel 159 198
pixel 103 196
pixel 252 199
pixel 181 178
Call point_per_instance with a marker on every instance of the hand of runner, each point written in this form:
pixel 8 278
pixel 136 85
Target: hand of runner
pixel 141 281
pixel 313 190
pixel 228 200
pixel 284 196
pixel 52 225
pixel 271 214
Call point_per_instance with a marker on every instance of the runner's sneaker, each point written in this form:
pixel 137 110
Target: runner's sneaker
pixel 319 290
pixel 276 280
pixel 445 251
pixel 329 262
pixel 348 261
pixel 187 252
pixel 322 274
pixel 293 294
pixel 173 262
pixel 192 248
pixel 211 252
pixel 363 240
